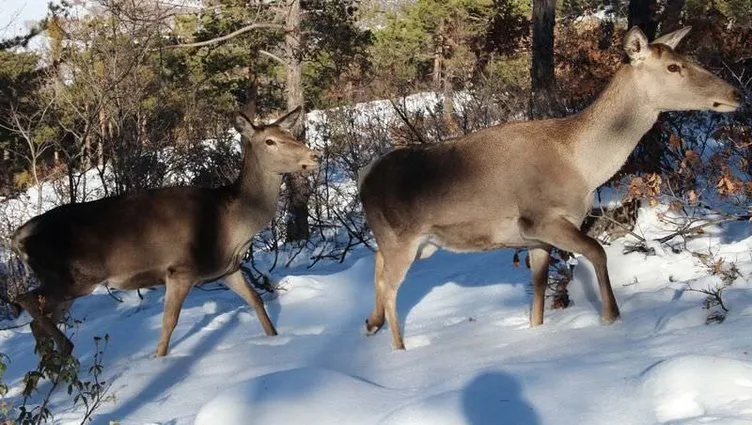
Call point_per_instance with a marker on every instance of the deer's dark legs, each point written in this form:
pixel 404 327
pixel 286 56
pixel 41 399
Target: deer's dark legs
pixel 46 312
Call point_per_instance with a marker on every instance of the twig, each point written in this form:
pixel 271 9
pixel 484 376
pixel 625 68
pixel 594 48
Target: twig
pixel 295 255
pixel 115 297
pixel 407 122
pixel 715 295
pixel 265 285
pixel 351 232
pixel 7 328
pixel 694 229
pixel 218 288
pixel 621 225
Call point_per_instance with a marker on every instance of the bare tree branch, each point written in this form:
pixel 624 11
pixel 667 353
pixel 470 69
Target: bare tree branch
pixel 273 57
pixel 690 230
pixel 233 34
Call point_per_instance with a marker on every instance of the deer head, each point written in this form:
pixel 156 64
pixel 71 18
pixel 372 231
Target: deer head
pixel 275 147
pixel 671 81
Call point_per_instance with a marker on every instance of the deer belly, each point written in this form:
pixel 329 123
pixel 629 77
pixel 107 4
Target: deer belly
pixel 470 237
pixel 138 280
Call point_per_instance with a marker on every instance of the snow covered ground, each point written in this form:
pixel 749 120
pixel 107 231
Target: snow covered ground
pixel 470 358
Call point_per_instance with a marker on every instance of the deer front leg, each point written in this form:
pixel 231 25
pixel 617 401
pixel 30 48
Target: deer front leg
pixel 539 260
pixel 562 234
pixel 237 283
pixel 175 293
pixel 42 326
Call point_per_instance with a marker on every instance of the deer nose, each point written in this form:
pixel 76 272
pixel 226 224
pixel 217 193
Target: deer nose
pixel 737 94
pixel 316 157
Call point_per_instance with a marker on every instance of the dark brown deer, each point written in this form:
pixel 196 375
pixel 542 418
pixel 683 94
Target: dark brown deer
pixel 526 184
pixel 178 236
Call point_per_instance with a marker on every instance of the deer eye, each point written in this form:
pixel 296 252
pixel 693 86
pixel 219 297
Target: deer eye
pixel 674 67
pixel 270 142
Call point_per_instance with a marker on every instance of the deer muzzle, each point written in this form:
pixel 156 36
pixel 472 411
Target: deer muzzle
pixel 311 162
pixel 729 103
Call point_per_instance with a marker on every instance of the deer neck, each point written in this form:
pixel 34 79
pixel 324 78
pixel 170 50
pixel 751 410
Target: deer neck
pixel 257 189
pixel 610 128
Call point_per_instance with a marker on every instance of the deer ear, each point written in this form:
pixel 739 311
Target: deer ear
pixel 289 120
pixel 244 126
pixel 673 38
pixel 636 44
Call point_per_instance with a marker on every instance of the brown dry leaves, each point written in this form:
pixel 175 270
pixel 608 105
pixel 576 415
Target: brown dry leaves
pixel 647 186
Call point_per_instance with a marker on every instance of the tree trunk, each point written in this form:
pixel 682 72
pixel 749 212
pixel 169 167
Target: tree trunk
pixel 672 15
pixel 438 57
pixel 251 102
pixel 607 26
pixel 71 182
pixel 100 153
pixel 87 153
pixel 442 77
pixel 448 106
pixel 297 184
pixel 647 158
pixel 37 183
pixel 642 14
pixel 542 71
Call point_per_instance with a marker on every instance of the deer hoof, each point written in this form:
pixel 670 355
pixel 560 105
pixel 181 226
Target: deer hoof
pixel 610 319
pixel 371 330
pixel 161 351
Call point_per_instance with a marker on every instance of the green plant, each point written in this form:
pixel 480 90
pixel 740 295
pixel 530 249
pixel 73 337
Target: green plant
pixel 94 392
pixel 63 370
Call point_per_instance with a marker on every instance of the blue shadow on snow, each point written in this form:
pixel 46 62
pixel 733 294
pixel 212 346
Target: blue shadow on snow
pixel 476 269
pixel 494 398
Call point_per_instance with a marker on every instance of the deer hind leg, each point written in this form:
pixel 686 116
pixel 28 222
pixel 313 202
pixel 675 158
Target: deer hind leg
pixel 396 261
pixel 45 313
pixel 175 293
pixel 237 283
pixel 376 320
pixel 539 260
pixel 562 234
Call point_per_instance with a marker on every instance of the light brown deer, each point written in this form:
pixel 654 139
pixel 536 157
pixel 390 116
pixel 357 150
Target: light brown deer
pixel 178 236
pixel 526 184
